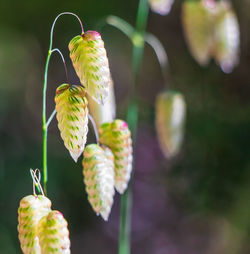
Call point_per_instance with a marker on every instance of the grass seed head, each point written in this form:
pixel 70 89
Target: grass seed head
pixel 170 121
pixel 161 7
pixel 98 171
pixel 31 210
pixel 54 234
pixel 72 116
pixel 117 137
pixel 90 61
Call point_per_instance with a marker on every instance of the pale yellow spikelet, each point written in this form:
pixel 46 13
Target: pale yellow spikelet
pixel 72 116
pixel 161 7
pixel 198 24
pixel 98 171
pixel 32 208
pixel 90 61
pixel 103 113
pixel 227 37
pixel 117 137
pixel 170 122
pixel 54 234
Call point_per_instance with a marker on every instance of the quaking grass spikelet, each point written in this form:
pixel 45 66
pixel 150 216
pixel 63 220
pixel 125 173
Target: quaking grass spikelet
pixel 117 136
pixel 198 24
pixel 98 171
pixel 90 61
pixel 32 208
pixel 227 37
pixel 103 113
pixel 161 7
pixel 170 121
pixel 54 234
pixel 72 116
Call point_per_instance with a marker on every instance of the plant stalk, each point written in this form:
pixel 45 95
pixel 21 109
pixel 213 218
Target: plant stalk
pixel 132 119
pixel 44 118
pixel 45 169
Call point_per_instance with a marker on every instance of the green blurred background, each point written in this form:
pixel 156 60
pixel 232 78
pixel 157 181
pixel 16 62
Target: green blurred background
pixel 197 203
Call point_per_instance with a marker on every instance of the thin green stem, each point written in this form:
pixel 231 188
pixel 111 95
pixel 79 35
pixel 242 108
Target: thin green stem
pixel 136 39
pixel 46 124
pixel 45 170
pixel 64 64
pixel 132 119
pixel 160 53
pixel 94 127
pixel 122 25
pixel 50 118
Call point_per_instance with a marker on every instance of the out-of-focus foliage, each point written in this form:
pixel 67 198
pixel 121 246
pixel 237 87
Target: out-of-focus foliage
pixel 212 30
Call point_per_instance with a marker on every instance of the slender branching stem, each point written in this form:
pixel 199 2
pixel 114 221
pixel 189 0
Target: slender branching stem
pixel 50 118
pixel 53 25
pixel 137 39
pixel 160 53
pixel 132 119
pixel 62 57
pixel 46 124
pixel 36 181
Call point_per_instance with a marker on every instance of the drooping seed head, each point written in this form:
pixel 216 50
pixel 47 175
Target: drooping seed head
pixel 198 24
pixel 90 61
pixel 161 7
pixel 117 137
pixel 103 113
pixel 227 37
pixel 170 121
pixel 72 116
pixel 98 171
pixel 54 234
pixel 31 210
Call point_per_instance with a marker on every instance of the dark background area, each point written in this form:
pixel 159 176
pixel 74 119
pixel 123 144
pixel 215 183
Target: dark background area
pixel 197 203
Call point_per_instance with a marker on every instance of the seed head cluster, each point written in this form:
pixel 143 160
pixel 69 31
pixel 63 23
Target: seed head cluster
pixel 41 230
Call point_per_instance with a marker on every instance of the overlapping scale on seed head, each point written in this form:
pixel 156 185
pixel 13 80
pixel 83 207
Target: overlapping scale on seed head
pixel 72 116
pixel 90 61
pixel 98 171
pixel 117 136
pixel 170 121
pixel 31 210
pixel 54 234
pixel 161 7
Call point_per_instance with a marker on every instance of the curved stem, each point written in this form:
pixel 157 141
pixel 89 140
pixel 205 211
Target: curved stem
pixel 45 125
pixel 53 25
pixel 45 170
pixel 36 181
pixel 132 119
pixel 50 118
pixel 94 127
pixel 160 53
pixel 121 25
pixel 65 67
pixel 137 39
